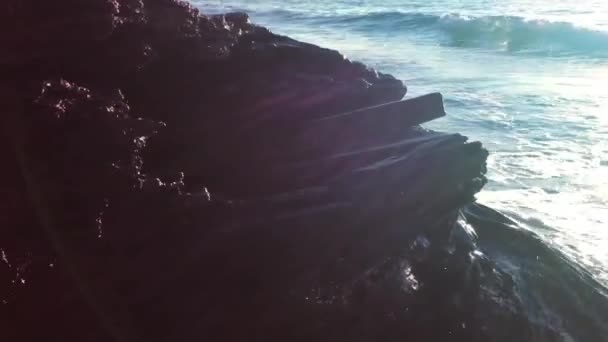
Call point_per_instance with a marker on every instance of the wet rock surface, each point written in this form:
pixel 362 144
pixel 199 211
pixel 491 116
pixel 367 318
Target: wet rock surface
pixel 171 176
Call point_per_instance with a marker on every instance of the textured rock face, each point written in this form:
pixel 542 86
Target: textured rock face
pixel 171 176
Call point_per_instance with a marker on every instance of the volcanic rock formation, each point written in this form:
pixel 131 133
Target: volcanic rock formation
pixel 171 176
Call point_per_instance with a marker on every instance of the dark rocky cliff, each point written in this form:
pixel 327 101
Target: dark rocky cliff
pixel 171 176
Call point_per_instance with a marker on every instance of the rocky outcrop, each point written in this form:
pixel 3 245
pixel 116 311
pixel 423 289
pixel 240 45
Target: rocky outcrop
pixel 172 176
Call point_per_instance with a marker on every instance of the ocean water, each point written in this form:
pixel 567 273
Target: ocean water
pixel 527 78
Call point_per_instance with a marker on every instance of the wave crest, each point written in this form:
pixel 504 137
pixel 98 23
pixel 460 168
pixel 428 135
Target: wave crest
pixel 508 33
pixel 520 34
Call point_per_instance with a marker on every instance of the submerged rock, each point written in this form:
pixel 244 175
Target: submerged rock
pixel 171 176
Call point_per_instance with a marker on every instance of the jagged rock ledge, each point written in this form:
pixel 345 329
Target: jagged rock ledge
pixel 172 176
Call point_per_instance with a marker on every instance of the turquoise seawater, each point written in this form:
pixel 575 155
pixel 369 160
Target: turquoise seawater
pixel 527 78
